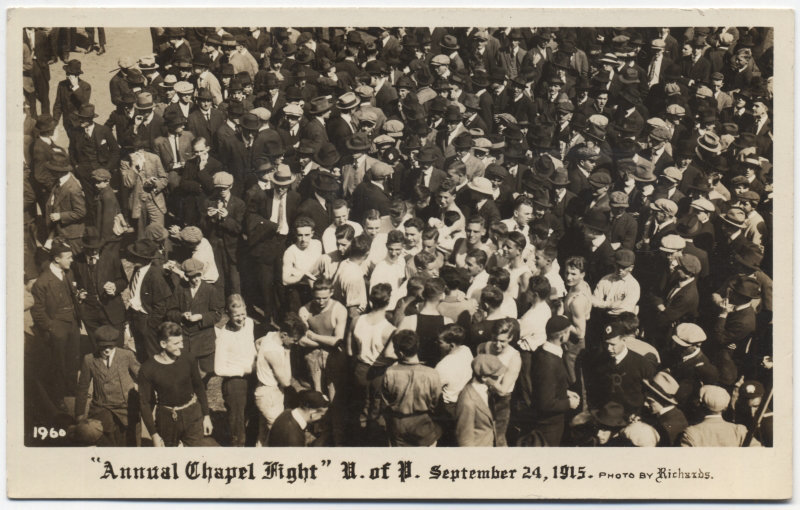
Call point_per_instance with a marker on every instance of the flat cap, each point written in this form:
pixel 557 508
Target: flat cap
pixel 223 179
pixel 676 109
pixel 703 91
pixel 672 243
pixel 106 335
pixel 487 365
pixel 618 199
pixel 687 334
pixel 191 234
pixel 441 60
pixel 364 91
pixel 293 110
pixel 556 324
pixel 751 389
pixel 192 267
pixel 673 174
pixel 665 205
pixel 156 232
pixel 379 169
pixel 690 264
pixel 658 44
pixel 624 257
pixel 125 62
pixel 587 152
pixel 183 87
pixel 262 113
pixel 394 128
pixel 703 204
pixel 383 139
pixel 714 398
pixel 101 175
pixel 599 179
pixel 660 133
pixel 641 434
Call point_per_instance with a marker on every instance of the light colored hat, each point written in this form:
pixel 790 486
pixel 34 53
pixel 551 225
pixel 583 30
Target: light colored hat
pixel 441 60
pixel 365 91
pixel 223 180
pixel 487 365
pixel 481 185
pixel 598 120
pixel 673 174
pixel 658 44
pixel 482 144
pixel 379 170
pixel 704 91
pixel 663 385
pixel 191 234
pixel 672 243
pixel 687 334
pixel 665 205
pixel 676 109
pixel 293 110
pixel 192 267
pixel 283 176
pixel 714 398
pixel 703 204
pixel 262 113
pixel 641 434
pixel 183 87
pixel 125 62
pixel 394 128
pixel 384 139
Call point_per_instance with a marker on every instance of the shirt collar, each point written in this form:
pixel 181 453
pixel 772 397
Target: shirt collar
pixel 64 178
pixel 553 349
pixel 621 356
pixel 298 416
pixel 57 271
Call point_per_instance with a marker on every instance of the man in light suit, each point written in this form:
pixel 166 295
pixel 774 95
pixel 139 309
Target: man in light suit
pixel 114 400
pixel 474 420
pixel 205 79
pixel 714 430
pixel 353 171
pixel 145 177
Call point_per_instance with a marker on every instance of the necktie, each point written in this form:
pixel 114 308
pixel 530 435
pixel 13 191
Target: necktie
pixel 135 281
pixel 208 117
pixel 108 362
pixel 177 151
pixel 281 215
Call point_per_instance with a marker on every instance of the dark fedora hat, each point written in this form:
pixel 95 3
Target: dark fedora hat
pixel 428 155
pixel 559 178
pixel 325 183
pixel 45 123
pixel 673 72
pixel 59 163
pixel 541 136
pixel 250 121
pixel 204 95
pixel 749 257
pixel 73 67
pixel 134 76
pixel 304 55
pixel 480 79
pixel 359 142
pixel 174 32
pixel 544 166
pixel 327 156
pixel 463 142
pixel 596 220
pixel 747 287
pixel 541 197
pixel 449 42
pixel 319 105
pixel 611 415
pixel 202 60
pixel 91 238
pixel 143 249
pixel 452 113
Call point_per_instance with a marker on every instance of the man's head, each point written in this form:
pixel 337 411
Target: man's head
pixel 323 288
pixel 344 238
pixel 615 336
pixel 405 343
pixel 237 311
pixel 487 369
pixel 558 329
pixel 341 212
pixel 170 338
pixel 61 254
pixel 292 328
pixel 450 338
pixel 475 230
pixel 413 228
pixel 623 262
pixel 475 261
pixel 313 405
pixel 574 271
pixel 304 231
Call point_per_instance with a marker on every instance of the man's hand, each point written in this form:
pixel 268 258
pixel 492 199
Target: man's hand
pixel 208 428
pixel 574 399
pixel 110 288
pixel 223 213
pixel 158 442
pixel 55 216
pixel 211 211
pixel 197 317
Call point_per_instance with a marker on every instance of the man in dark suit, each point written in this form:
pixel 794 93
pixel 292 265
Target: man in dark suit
pixel 319 205
pixel 482 202
pixel 290 426
pixel 36 41
pixel 696 67
pixel 42 151
pixel 187 199
pixel 687 363
pixel 205 120
pixel 372 193
pixel 426 173
pixel 624 227
pixel 94 148
pixel 112 372
pixel 222 225
pixel 147 123
pixel 55 320
pixel 197 306
pixel 343 126
pixel 682 299
pixel 100 279
pixel 732 331
pixel 236 152
pixel 65 211
pixel 551 398
pixel 150 296
pixel 271 208
pixel 665 416
pixel 314 131
pixel 118 84
pixel 596 249
pixel 71 94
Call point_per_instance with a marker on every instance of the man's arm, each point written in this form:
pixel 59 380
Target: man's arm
pixel 281 371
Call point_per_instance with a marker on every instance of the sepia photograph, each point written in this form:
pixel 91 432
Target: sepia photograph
pixel 354 240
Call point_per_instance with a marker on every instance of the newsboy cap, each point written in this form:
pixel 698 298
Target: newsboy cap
pixel 487 365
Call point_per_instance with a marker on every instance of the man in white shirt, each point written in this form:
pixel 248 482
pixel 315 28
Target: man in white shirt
pixel 341 213
pixel 455 371
pixel 619 291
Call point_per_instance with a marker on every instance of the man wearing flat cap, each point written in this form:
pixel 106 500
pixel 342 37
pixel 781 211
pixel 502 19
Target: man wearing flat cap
pixel 112 371
pixel 474 419
pixel 223 224
pixel 175 148
pixel 714 430
pixel 551 398
pixel 145 177
pixel 680 304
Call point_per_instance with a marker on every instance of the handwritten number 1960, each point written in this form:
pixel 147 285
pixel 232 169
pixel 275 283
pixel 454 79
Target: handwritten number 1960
pixel 44 433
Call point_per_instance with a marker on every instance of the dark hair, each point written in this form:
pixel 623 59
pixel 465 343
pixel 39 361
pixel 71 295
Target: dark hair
pixel 506 325
pixel 360 247
pixel 293 325
pixel 339 203
pixel 405 343
pixel 539 286
pixel 492 296
pixel 380 295
pixel 433 288
pixel 522 200
pixel 578 263
pixel 322 284
pixel 415 223
pixel 304 221
pixel 454 278
pixel 430 233
pixel 345 231
pixel 372 214
pixel 476 218
pixel 499 277
pixel 395 237
pixel 629 322
pixel 415 286
pixel 423 260
pixel 479 256
pixel 458 166
pixel 453 334
pixel 420 193
pixel 168 329
pixel 517 238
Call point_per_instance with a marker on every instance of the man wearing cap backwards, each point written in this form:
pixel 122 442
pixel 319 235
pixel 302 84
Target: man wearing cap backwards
pixel 112 372
pixel 668 419
pixel 271 208
pixel 94 148
pixel 551 398
pixel 55 320
pixel 222 224
pixel 100 279
pixel 197 305
pixel 182 414
pixel 474 420
pixel 71 94
pixel 714 430
pixel 65 209
pixel 290 427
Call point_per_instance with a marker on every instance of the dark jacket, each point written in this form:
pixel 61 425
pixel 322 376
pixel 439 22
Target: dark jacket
pixel 262 234
pixel 69 101
pixel 53 301
pixel 92 278
pixel 286 431
pixel 208 302
pixel 224 234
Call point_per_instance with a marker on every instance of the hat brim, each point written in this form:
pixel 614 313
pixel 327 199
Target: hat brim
pixel 605 421
pixel 479 190
pixel 659 393
pixel 136 254
pixel 271 179
pixel 729 222
pixel 681 342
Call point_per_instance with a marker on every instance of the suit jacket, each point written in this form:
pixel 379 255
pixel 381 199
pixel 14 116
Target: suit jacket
pixel 69 101
pixel 714 431
pixel 474 420
pixel 199 126
pixel 134 180
pixel 386 98
pixel 623 231
pixel 369 196
pixel 106 207
pixel 54 301
pixel 339 131
pixel 699 71
pixel 265 138
pixel 691 374
pixel 112 386
pixel 68 200
pixel 40 55
pixel 118 86
pixel 236 158
pixel 262 234
pixel 97 151
pixel 680 307
pixel 550 382
pixel 163 148
pixel 314 210
pixel 670 426
pixel 315 133
pixel 92 277
pixel 490 212
pixel 207 302
pixel 353 174
pixel 437 178
pixel 622 382
pixel 735 329
pixel 224 234
pixel 286 431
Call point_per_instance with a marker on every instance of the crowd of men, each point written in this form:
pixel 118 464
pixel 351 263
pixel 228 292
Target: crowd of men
pixel 406 237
